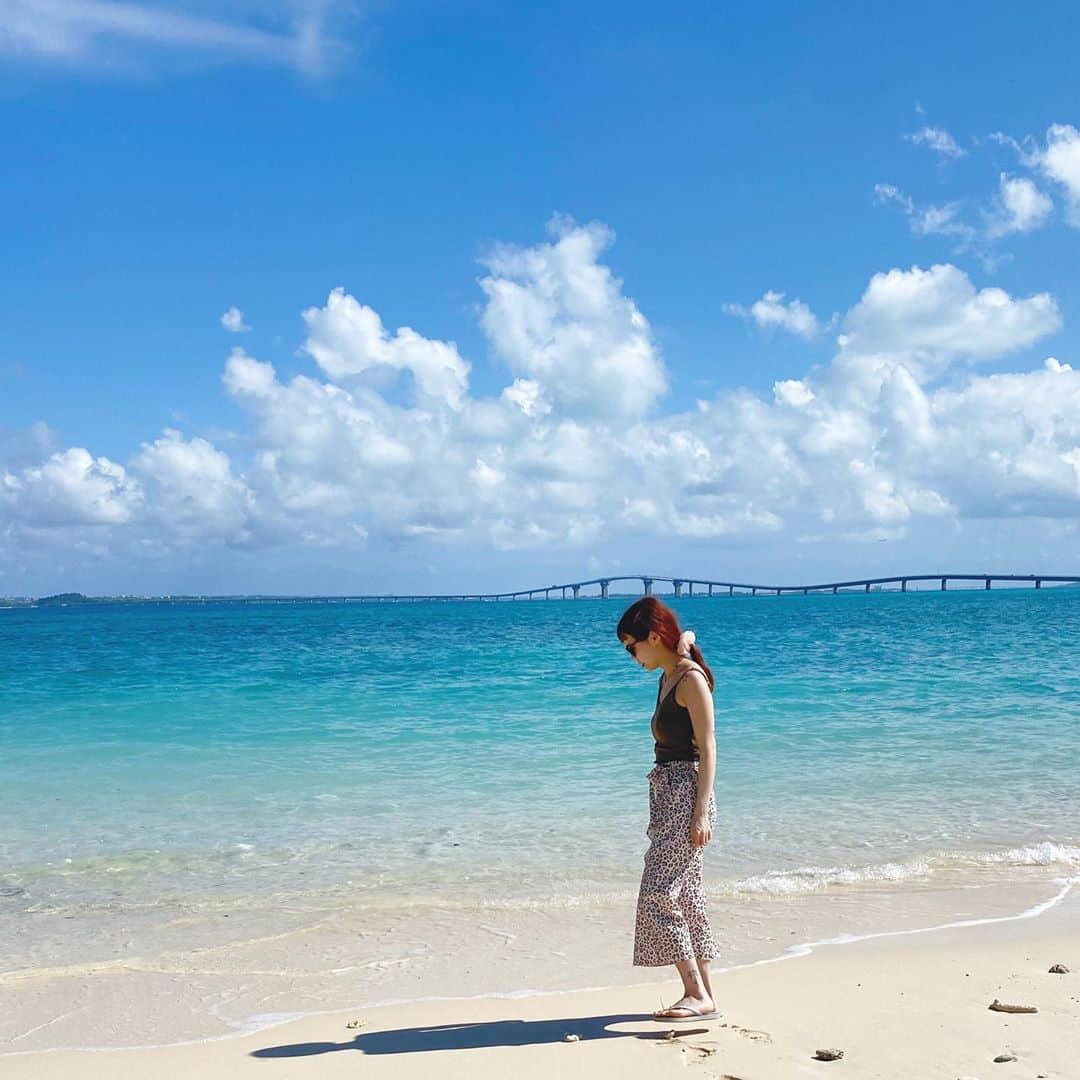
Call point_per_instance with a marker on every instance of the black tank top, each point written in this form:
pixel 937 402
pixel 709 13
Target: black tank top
pixel 671 726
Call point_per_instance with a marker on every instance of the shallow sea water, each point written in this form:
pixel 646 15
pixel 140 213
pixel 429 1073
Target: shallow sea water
pixel 166 767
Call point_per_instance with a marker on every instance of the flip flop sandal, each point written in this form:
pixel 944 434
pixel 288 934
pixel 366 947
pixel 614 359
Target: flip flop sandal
pixel 686 1019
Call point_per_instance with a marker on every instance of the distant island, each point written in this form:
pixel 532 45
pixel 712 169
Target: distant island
pixel 71 599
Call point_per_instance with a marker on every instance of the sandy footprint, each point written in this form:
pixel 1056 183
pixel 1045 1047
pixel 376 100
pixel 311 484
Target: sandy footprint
pixel 749 1033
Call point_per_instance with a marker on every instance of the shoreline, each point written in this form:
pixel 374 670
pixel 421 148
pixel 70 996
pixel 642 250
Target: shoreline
pixel 851 997
pixel 256 1023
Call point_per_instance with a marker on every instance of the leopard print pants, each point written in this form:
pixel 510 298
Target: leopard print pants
pixel 671 922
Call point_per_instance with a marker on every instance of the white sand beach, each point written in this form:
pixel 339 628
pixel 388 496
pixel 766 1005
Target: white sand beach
pixel 911 1003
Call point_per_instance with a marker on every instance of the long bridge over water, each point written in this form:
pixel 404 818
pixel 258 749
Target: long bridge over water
pixel 706 587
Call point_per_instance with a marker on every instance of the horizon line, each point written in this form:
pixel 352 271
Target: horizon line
pixel 745 588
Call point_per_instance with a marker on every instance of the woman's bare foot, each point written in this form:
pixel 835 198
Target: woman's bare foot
pixel 686 1007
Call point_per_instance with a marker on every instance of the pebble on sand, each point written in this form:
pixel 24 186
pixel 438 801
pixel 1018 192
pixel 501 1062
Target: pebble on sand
pixel 1005 1057
pixel 1059 969
pixel 828 1055
pixel 1000 1006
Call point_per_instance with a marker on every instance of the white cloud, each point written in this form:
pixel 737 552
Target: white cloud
pixel 940 221
pixel 71 487
pixel 927 220
pixel 1060 161
pixel 867 446
pixel 485 477
pixel 347 339
pixel 233 321
pixel 557 316
pixel 116 33
pixel 770 312
pixel 1020 207
pixel 311 423
pixel 793 392
pixel 885 193
pixel 246 376
pixel 934 316
pixel 173 493
pixel 191 490
pixel 528 396
pixel 938 140
pixel 1009 443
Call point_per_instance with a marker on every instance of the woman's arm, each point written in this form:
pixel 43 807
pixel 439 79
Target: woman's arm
pixel 700 704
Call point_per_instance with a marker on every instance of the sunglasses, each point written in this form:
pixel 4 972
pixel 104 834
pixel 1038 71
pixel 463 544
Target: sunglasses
pixel 631 647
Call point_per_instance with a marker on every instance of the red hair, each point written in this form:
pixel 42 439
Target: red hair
pixel 649 614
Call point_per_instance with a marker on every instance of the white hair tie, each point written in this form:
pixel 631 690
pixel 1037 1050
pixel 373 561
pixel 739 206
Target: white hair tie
pixel 686 639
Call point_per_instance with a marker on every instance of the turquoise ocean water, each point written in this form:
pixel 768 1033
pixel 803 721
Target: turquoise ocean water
pixel 495 753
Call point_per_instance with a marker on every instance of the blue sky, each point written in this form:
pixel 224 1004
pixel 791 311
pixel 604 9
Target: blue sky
pixel 169 162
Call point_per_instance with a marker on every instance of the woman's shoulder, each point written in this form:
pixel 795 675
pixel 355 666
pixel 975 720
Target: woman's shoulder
pixel 692 669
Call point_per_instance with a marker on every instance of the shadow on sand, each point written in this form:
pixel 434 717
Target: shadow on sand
pixel 415 1040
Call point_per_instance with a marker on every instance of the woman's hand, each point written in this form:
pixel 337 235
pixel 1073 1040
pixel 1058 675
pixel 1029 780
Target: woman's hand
pixel 700 831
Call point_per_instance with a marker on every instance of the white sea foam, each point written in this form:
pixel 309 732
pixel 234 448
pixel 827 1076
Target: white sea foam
pixel 808 879
pixel 806 948
pixel 1045 854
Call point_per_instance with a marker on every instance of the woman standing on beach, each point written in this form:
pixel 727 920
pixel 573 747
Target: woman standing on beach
pixel 671 925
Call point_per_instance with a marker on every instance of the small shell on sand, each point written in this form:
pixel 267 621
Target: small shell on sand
pixel 355 1024
pixel 1059 969
pixel 828 1055
pixel 1005 1057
